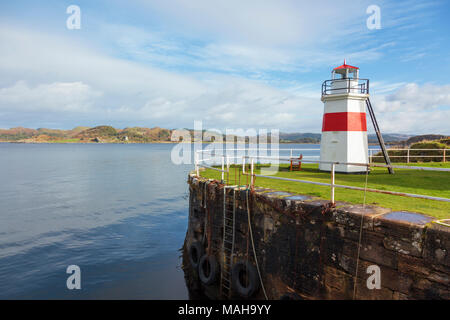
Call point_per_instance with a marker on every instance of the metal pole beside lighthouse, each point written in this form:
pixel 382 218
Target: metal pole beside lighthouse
pixel 344 126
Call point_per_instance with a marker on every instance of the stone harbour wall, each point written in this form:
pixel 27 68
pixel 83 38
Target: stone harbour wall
pixel 307 249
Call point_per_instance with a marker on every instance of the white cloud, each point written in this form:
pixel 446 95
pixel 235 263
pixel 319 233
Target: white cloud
pixel 419 122
pixel 55 97
pixel 412 97
pixel 232 103
pixel 414 108
pixel 44 59
pixel 383 88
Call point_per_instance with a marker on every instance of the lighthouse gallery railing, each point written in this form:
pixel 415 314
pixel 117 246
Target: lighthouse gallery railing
pixel 347 85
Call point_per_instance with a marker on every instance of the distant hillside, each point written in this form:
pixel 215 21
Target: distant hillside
pixel 145 134
pixel 425 137
pixel 315 137
pixel 99 134
pixel 16 134
pixel 409 141
pixel 388 137
pixel 300 137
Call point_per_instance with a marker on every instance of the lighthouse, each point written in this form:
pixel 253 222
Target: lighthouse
pixel 344 126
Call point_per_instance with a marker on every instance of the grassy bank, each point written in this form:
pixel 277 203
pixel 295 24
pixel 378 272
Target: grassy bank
pixel 409 181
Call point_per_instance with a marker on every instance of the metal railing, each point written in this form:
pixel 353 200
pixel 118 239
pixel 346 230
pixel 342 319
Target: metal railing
pixel 408 156
pixel 345 86
pixel 225 161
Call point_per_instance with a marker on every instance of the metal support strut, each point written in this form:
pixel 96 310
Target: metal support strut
pixel 379 136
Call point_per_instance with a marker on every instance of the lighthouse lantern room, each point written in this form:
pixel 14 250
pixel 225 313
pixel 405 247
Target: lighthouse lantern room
pixel 344 126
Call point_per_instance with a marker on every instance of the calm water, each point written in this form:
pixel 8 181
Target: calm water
pixel 118 211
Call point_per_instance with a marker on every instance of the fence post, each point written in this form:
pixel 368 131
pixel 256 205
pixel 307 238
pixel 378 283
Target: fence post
pixel 196 164
pixel 251 177
pixel 444 155
pixel 407 155
pixel 332 183
pixel 223 167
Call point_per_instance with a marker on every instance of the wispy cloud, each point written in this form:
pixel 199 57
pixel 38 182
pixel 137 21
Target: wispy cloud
pixel 54 97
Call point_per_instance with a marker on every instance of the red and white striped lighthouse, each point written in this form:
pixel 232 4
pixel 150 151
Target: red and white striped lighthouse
pixel 344 126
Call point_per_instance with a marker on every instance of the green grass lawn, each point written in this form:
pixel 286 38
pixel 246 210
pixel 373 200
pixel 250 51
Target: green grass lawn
pixel 410 181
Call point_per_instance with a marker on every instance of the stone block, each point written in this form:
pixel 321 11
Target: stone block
pixel 338 284
pixel 351 215
pixel 364 293
pixel 412 265
pixel 437 245
pixel 429 290
pixel 373 251
pixel 340 231
pixel 403 231
pixel 318 210
pixel 390 278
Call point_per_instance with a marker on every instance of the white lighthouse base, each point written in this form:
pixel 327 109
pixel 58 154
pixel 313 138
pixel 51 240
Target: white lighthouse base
pixel 344 146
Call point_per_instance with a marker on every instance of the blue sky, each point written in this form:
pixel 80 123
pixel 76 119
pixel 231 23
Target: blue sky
pixel 231 64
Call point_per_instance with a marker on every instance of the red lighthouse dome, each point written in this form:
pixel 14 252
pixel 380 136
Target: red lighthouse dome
pixel 346 71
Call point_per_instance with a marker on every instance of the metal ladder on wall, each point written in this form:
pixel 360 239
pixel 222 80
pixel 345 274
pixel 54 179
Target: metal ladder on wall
pixel 229 212
pixel 379 136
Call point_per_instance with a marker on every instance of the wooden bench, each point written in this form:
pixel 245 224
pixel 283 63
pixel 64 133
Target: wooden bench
pixel 296 164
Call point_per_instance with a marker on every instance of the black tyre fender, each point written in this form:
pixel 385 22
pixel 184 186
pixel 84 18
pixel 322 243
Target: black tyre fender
pixel 245 288
pixel 208 269
pixel 195 252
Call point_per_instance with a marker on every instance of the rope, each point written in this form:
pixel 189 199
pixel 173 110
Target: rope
pixel 297 236
pixel 253 246
pixel 210 225
pixel 246 254
pixel 360 235
pixel 206 214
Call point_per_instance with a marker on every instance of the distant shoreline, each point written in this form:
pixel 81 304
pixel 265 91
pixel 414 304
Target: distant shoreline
pixel 168 142
pixel 161 142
